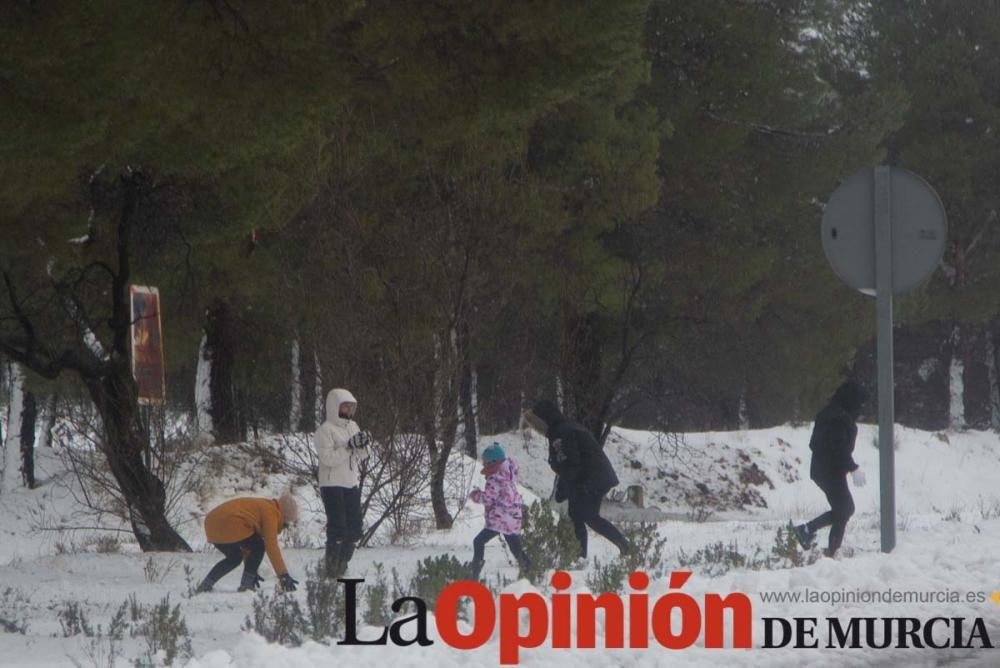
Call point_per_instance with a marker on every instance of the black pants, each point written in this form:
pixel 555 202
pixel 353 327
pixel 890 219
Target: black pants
pixel 838 494
pixel 343 520
pixel 249 551
pixel 585 511
pixel 513 541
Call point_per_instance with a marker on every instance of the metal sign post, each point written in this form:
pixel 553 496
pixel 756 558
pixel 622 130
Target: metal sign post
pixel 886 395
pixel 884 232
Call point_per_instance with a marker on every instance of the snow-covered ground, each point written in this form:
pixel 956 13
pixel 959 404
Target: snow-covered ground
pixel 737 488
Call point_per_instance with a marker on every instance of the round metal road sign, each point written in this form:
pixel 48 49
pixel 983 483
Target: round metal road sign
pixel 917 220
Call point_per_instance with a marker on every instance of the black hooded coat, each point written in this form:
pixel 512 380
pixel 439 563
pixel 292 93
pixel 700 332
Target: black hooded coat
pixel 574 454
pixel 834 433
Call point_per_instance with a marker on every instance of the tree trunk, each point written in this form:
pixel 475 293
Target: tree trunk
pixel 956 383
pixel 439 466
pixel 12 450
pixel 123 445
pixel 308 377
pixel 220 343
pixel 992 362
pixel 440 426
pixel 582 363
pixel 439 504
pixel 295 400
pixel 203 390
pixel 29 417
pixel 48 421
pixel 467 392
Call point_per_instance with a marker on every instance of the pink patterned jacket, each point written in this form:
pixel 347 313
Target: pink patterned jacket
pixel 502 500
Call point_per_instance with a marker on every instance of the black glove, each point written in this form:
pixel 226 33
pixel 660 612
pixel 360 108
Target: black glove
pixel 287 582
pixel 360 440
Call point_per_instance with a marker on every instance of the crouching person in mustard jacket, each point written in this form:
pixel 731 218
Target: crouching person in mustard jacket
pixel 243 530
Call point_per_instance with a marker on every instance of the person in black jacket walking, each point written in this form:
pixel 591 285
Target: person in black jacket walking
pixel 584 474
pixel 832 446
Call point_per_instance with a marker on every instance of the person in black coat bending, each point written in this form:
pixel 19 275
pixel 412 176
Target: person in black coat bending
pixel 832 446
pixel 584 474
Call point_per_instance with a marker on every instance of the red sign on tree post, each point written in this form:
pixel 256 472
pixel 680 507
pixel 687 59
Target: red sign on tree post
pixel 147 344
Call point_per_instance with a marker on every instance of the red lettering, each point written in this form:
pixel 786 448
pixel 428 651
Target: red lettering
pixel 561 581
pixel 483 620
pixel 715 621
pixel 690 615
pixel 614 620
pixel 638 611
pixel 511 640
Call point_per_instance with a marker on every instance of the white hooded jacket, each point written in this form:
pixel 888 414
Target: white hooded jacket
pixel 339 465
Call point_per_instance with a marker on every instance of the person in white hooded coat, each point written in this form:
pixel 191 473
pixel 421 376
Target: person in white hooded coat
pixel 341 448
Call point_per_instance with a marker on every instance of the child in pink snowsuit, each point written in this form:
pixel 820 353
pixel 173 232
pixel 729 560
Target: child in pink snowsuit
pixel 503 508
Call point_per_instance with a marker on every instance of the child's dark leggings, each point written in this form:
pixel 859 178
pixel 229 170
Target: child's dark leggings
pixel 486 535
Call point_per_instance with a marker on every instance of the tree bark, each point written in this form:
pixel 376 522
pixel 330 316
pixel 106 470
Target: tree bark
pixel 307 382
pixel 467 397
pixel 123 444
pixel 956 382
pixel 203 390
pixel 220 344
pixel 440 425
pixel 295 395
pixel 29 418
pixel 11 454
pixel 993 370
pixel 48 421
pixel 582 363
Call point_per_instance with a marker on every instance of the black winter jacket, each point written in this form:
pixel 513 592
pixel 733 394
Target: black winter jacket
pixel 834 433
pixel 578 459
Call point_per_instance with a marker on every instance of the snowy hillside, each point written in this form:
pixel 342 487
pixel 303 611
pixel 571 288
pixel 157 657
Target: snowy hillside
pixel 734 488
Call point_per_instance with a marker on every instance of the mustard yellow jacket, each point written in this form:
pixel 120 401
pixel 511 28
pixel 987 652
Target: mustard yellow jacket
pixel 238 519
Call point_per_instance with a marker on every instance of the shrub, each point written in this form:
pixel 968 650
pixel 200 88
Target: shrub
pixel 377 610
pixel 13 611
pixel 607 577
pixel 715 559
pixel 322 597
pixel 73 620
pixel 434 574
pixel 278 618
pixel 166 634
pixel 105 648
pixel 107 544
pixel 548 541
pixel 646 555
pixel 787 552
pixel 155 572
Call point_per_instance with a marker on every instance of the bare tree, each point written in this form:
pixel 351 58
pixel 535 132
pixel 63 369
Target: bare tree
pixel 33 324
pixel 177 461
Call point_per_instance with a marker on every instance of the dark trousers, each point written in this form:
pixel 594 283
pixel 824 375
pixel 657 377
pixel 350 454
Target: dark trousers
pixel 838 494
pixel 343 521
pixel 513 541
pixel 249 551
pixel 585 511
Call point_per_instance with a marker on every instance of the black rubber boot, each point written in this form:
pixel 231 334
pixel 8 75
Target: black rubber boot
pixel 346 553
pixel 331 560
